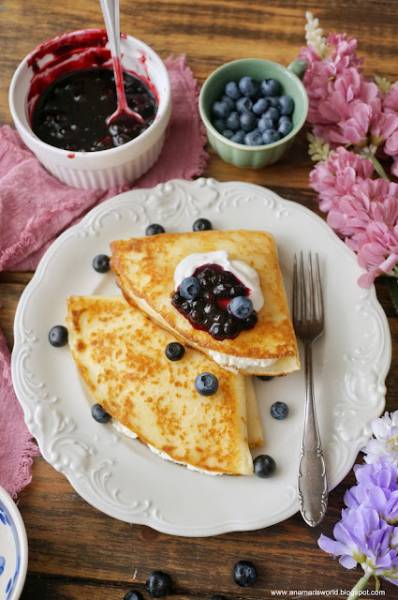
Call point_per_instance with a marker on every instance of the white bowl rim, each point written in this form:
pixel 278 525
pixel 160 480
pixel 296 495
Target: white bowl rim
pixel 21 531
pixel 229 142
pixel 99 153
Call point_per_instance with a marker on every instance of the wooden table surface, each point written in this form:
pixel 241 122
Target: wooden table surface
pixel 75 551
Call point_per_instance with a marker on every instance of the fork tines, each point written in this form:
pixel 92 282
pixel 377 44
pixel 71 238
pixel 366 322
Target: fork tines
pixel 307 291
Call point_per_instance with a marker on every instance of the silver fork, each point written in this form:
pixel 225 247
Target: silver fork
pixel 308 319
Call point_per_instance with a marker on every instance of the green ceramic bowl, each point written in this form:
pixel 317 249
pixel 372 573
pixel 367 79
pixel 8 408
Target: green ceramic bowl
pixel 253 156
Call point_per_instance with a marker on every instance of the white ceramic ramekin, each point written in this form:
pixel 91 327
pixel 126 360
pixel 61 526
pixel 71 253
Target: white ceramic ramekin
pixel 106 168
pixel 13 549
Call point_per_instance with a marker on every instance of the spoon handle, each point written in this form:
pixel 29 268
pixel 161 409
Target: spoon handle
pixel 111 14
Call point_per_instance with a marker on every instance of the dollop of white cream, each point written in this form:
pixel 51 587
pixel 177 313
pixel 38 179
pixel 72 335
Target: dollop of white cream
pixel 244 272
pixel 237 362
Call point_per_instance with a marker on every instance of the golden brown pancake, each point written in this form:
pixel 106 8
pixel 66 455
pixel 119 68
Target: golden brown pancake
pixel 144 269
pixel 120 354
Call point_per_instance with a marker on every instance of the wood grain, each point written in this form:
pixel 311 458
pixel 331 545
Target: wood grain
pixel 75 551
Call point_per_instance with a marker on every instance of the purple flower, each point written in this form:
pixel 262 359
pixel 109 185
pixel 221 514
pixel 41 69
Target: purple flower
pixel 377 488
pixel 384 443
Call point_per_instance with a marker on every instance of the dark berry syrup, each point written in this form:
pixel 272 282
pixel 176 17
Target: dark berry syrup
pixel 209 312
pixel 71 113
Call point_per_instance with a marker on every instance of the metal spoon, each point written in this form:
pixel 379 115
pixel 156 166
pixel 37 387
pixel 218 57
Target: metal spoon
pixel 111 13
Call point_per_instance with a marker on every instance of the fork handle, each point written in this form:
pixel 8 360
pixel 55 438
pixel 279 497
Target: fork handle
pixel 312 483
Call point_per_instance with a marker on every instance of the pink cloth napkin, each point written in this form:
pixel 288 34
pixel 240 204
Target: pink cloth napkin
pixel 35 208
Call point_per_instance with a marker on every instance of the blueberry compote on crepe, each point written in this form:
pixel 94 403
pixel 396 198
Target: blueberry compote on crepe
pixel 216 301
pixel 71 113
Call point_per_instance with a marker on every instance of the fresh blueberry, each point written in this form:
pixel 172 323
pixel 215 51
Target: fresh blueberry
pixel 218 597
pixel 273 101
pixel 244 105
pixel 220 110
pixel 233 121
pixel 159 584
pixel 202 225
pixel 229 102
pixel 264 466
pixel 250 321
pixel 264 377
pixel 232 90
pixel 99 414
pixel 248 86
pixel 132 595
pixel 285 126
pixel 240 307
pixel 265 123
pixel 270 87
pixel 238 137
pixel 279 410
pixel 219 124
pixel 190 288
pixel 245 573
pixel 154 229
pixel 272 113
pixel 227 133
pixel 206 384
pixel 247 121
pixel 101 263
pixel 174 351
pixel 254 138
pixel 58 336
pixel 286 105
pixel 260 106
pixel 271 136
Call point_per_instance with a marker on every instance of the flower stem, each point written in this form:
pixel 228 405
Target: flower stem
pixel 375 162
pixel 358 587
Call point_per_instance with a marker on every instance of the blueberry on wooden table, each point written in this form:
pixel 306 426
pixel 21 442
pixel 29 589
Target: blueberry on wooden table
pixel 58 336
pixel 132 595
pixel 99 414
pixel 218 597
pixel 159 584
pixel 154 229
pixel 101 263
pixel 245 573
pixel 202 225
pixel 264 466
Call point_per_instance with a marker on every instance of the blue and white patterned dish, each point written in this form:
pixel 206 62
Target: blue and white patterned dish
pixel 13 549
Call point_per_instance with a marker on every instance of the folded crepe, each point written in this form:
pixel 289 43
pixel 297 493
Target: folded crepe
pixel 120 354
pixel 145 269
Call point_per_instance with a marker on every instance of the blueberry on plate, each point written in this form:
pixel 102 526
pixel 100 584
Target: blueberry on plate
pixel 265 123
pixel 58 336
pixel 202 225
pixel 233 121
pixel 159 584
pixel 254 138
pixel 285 126
pixel 229 102
pixel 248 86
pixel 270 87
pixel 227 133
pixel 264 466
pixel 247 121
pixel 279 410
pixel 270 136
pixel 220 110
pixel 272 113
pixel 154 229
pixel 190 288
pixel 238 137
pixel 101 263
pixel 245 573
pixel 132 595
pixel 240 307
pixel 99 414
pixel 265 377
pixel 206 384
pixel 260 106
pixel 231 89
pixel 219 124
pixel 244 105
pixel 174 351
pixel 286 105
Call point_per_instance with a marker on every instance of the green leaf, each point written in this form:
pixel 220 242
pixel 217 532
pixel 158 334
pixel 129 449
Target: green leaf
pixel 383 84
pixel 393 286
pixel 318 149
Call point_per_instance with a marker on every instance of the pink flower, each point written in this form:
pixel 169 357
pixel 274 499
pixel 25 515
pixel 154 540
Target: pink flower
pixel 335 178
pixel 390 102
pixel 378 253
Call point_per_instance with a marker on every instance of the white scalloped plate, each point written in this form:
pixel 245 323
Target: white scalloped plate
pixel 121 477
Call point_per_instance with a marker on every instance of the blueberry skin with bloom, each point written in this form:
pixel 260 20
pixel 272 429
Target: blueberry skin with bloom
pixel 202 225
pixel 206 384
pixel 272 113
pixel 232 90
pixel 279 410
pixel 286 105
pixel 240 307
pixel 260 106
pixel 58 336
pixel 247 121
pixel 265 123
pixel 273 101
pixel 227 133
pixel 254 138
pixel 220 110
pixel 132 595
pixel 219 124
pixel 244 105
pixel 154 229
pixel 99 414
pixel 270 136
pixel 101 263
pixel 174 351
pixel 270 87
pixel 190 288
pixel 159 584
pixel 264 466
pixel 238 137
pixel 285 127
pixel 229 102
pixel 245 573
pixel 233 121
pixel 248 86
